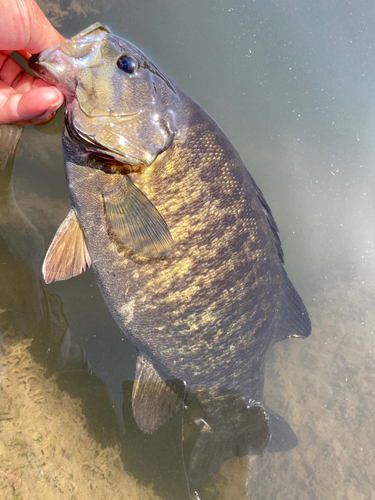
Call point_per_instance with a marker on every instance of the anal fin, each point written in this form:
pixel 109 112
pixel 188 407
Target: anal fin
pixel 155 401
pixel 67 255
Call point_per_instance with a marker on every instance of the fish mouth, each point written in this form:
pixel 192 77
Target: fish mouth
pixel 35 67
pixel 59 64
pixel 50 72
pixel 33 60
pixel 43 69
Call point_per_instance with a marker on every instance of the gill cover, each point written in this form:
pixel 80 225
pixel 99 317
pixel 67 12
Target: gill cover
pixel 120 114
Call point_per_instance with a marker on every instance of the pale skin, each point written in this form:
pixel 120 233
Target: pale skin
pixel 25 99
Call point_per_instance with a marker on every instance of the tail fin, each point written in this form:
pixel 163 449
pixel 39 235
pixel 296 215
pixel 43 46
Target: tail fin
pixel 213 448
pixel 264 430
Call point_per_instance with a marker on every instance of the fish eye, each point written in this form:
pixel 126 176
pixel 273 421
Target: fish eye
pixel 127 64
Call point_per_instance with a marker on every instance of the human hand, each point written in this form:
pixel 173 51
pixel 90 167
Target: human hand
pixel 25 99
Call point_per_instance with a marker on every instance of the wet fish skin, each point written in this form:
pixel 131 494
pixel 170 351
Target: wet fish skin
pixel 206 312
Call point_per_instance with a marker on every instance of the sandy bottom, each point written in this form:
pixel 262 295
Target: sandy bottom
pixel 324 387
pixel 45 450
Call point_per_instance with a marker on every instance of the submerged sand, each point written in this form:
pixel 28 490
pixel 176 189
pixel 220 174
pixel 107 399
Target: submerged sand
pixel 45 450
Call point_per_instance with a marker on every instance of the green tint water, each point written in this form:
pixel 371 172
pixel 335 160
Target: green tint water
pixel 292 85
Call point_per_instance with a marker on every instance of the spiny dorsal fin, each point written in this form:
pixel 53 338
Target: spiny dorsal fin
pixel 154 401
pixel 135 220
pixel 68 255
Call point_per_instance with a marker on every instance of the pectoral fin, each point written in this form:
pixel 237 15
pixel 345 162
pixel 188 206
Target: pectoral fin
pixel 154 401
pixel 135 220
pixel 68 255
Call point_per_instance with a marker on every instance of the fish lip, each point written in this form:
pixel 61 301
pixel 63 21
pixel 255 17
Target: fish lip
pixel 104 117
pixel 36 59
pixel 41 68
pixel 59 68
pixel 34 64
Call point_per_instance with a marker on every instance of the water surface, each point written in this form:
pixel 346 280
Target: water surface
pixel 292 85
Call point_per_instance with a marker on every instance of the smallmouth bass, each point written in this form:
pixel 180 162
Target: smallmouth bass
pixel 183 245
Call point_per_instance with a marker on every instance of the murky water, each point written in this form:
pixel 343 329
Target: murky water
pixel 292 85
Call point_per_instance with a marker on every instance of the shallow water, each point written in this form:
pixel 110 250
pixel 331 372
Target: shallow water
pixel 291 83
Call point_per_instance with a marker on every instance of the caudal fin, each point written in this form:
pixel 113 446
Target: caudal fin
pixel 213 448
pixel 264 430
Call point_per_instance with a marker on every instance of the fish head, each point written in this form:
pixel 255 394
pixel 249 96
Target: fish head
pixel 118 104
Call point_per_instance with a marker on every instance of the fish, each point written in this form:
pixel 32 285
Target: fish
pixel 183 245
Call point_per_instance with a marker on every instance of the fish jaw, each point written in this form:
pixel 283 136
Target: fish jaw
pixel 60 64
